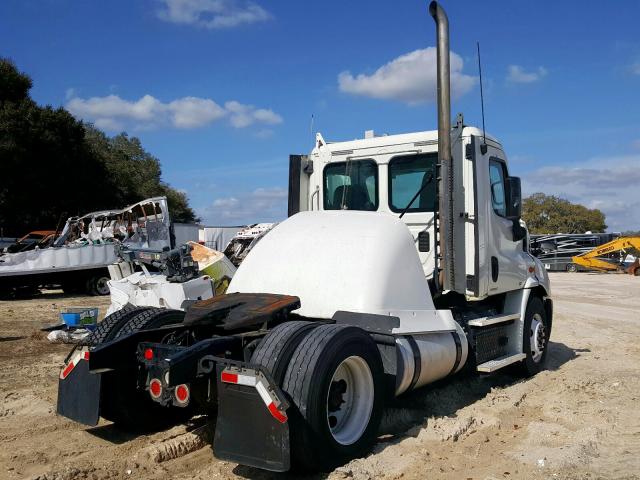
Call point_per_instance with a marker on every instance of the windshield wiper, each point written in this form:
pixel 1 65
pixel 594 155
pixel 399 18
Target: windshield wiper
pixel 427 182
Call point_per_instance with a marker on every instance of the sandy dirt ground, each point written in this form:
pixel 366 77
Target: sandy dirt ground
pixel 578 419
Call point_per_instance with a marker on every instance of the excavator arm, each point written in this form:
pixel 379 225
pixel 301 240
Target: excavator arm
pixel 591 259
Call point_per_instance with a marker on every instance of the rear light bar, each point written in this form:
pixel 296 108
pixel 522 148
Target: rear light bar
pixel 253 378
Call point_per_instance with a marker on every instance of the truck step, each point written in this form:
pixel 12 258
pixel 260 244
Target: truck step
pixel 486 321
pixel 500 362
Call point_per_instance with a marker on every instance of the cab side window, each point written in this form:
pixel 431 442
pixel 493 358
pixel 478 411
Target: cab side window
pixel 351 185
pixel 496 179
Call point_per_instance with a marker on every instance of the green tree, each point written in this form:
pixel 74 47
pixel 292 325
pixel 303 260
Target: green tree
pixel 52 165
pixel 46 169
pixel 14 85
pixel 550 214
pixel 135 173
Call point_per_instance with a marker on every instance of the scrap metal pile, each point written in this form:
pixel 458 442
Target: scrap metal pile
pixel 80 254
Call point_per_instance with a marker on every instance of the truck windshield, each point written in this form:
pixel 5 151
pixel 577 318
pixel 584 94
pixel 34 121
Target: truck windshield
pixel 351 185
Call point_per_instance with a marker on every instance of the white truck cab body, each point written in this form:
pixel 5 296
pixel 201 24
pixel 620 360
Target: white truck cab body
pixel 384 173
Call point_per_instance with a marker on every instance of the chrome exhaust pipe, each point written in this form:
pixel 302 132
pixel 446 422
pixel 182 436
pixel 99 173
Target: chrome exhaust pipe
pixel 446 217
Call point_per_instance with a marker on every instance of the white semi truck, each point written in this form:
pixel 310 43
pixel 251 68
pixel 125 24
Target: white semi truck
pixel 403 262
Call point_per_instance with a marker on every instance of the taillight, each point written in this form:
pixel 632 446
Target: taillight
pixel 155 388
pixel 182 394
pixel 148 354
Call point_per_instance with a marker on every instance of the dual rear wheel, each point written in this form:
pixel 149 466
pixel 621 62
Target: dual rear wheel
pixel 333 376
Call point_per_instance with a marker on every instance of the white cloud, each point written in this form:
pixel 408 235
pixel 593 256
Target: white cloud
pixel 212 14
pixel 635 68
pixel 193 112
pixel 113 113
pixel 70 93
pixel 261 205
pixel 517 74
pixel 610 184
pixel 409 78
pixel 244 115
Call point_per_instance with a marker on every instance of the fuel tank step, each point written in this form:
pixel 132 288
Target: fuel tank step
pixel 486 321
pixel 500 362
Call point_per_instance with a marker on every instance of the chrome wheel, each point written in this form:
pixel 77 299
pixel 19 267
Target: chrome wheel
pixel 538 338
pixel 350 400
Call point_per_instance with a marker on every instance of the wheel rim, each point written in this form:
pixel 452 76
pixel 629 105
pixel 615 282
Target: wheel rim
pixel 102 287
pixel 350 400
pixel 538 338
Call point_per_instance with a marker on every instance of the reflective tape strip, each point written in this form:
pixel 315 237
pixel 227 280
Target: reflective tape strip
pixel 271 405
pixel 238 379
pixel 252 381
pixel 67 370
pixel 77 357
pixel 266 398
pixel 277 414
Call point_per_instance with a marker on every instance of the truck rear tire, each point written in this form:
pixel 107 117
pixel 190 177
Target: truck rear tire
pixel 107 329
pixel 276 348
pixel 335 381
pixel 122 402
pixel 535 341
pixel 150 318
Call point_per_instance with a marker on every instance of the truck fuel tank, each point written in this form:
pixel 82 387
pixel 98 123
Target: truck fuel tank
pixel 425 358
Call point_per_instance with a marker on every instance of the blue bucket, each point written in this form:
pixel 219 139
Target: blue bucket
pixel 80 317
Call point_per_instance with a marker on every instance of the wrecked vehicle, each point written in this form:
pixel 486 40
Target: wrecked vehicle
pixel 31 241
pixel 78 258
pixel 243 241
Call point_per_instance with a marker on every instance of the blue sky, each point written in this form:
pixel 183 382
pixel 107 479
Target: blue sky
pixel 222 91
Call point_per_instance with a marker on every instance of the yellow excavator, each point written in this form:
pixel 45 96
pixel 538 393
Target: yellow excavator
pixel 624 245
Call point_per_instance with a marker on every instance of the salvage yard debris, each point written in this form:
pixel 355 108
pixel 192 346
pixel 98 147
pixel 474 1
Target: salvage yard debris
pixel 80 255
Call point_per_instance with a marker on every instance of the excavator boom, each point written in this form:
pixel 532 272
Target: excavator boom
pixel 592 259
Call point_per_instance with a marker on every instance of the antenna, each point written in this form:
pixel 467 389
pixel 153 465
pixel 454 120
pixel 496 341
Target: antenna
pixel 483 147
pixel 311 128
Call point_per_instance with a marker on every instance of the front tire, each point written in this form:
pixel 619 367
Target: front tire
pixel 572 268
pixel 535 341
pixel 335 381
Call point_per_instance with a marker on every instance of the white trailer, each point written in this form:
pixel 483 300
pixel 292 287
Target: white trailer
pixel 403 262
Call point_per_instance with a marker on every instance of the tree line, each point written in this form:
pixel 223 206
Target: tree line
pixel 545 214
pixel 53 166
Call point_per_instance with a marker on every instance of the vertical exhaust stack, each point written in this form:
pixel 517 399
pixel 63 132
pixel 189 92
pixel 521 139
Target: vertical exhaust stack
pixel 445 187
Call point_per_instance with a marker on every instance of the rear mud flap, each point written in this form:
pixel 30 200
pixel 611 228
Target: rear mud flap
pixel 249 430
pixel 79 391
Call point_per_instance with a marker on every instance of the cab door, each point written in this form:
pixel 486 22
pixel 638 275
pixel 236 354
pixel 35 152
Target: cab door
pixel 506 262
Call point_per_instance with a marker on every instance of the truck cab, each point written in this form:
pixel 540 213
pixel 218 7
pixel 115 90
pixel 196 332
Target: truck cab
pixel 398 175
